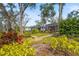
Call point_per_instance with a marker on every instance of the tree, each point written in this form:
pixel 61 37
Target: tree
pixel 22 8
pixel 39 23
pixel 13 14
pixel 74 14
pixel 1 26
pixel 47 11
pixel 8 15
pixel 61 5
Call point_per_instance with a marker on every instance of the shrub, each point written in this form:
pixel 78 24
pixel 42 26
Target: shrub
pixel 16 50
pixel 35 31
pixel 76 39
pixel 69 27
pixel 64 44
pixel 19 39
pixel 10 37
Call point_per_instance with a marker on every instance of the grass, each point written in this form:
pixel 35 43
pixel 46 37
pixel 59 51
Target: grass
pixel 29 34
pixel 40 34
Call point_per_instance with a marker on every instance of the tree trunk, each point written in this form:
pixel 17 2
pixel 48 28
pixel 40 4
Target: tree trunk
pixel 60 11
pixel 20 24
pixel 60 15
pixel 21 18
pixel 8 26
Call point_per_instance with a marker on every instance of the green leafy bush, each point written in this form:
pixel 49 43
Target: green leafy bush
pixel 69 27
pixel 35 31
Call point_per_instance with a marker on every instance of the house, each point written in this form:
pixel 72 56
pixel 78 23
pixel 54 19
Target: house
pixel 49 27
pixel 45 27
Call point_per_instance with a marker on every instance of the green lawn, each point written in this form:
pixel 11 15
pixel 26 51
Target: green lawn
pixel 40 34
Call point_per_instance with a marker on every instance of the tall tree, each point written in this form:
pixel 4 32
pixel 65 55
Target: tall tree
pixel 1 26
pixel 47 11
pixel 13 14
pixel 74 14
pixel 22 8
pixel 8 15
pixel 61 5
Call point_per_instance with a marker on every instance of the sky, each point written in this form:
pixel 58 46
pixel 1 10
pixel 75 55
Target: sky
pixel 34 13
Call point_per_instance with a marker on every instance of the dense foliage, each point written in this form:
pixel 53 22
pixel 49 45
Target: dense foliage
pixel 35 31
pixel 10 37
pixel 70 26
pixel 69 47
pixel 16 49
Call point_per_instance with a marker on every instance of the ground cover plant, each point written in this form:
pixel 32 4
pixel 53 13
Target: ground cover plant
pixel 16 49
pixel 63 44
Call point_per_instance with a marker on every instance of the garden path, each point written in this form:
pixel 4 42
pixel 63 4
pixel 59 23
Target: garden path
pixel 42 49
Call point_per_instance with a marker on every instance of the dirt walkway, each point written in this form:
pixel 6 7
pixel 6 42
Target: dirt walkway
pixel 36 38
pixel 41 49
